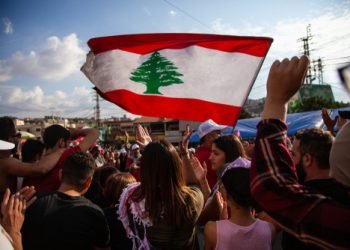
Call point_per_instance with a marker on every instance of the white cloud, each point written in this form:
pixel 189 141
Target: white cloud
pixel 18 102
pixel 34 102
pixel 172 13
pixel 5 71
pixel 56 60
pixel 81 91
pixel 330 41
pixel 8 27
pixel 328 29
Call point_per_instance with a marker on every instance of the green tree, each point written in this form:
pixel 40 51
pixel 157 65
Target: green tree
pixel 244 114
pixel 156 72
pixel 314 103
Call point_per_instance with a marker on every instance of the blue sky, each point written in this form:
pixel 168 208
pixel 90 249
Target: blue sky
pixel 43 43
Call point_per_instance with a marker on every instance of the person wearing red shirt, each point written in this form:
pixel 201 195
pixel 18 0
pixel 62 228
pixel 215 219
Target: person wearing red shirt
pixel 56 137
pixel 208 131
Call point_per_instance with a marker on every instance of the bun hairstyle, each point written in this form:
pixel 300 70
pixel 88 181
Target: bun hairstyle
pixel 236 183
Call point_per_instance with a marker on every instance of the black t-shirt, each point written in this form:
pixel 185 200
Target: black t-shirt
pixel 59 221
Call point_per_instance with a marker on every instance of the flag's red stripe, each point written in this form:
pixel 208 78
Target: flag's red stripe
pixel 169 107
pixel 147 43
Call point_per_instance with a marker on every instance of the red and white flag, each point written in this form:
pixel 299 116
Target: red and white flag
pixel 183 76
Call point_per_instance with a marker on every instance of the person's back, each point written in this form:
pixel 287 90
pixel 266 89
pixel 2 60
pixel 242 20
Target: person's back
pixel 59 221
pixel 65 219
pixel 164 235
pixel 233 236
pixel 114 186
pixel 161 211
pixel 240 230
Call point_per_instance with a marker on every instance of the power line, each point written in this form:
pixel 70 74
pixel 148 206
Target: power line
pixel 340 63
pixel 189 15
pixel 339 58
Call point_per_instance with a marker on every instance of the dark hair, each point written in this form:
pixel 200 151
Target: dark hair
pixel 30 149
pixel 77 168
pixel 53 134
pixel 115 185
pixel 7 128
pixel 232 147
pixel 317 143
pixel 163 185
pixel 236 182
pixel 105 173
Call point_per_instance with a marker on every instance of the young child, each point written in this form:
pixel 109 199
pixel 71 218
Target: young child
pixel 241 230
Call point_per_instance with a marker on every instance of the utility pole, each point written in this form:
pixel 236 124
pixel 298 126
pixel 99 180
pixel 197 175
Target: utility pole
pixel 97 110
pixel 310 76
pixel 320 70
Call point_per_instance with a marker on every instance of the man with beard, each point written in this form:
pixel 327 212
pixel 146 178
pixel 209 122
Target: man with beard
pixel 310 154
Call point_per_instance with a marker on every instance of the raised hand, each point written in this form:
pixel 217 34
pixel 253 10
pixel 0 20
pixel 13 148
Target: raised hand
pixel 126 134
pixel 142 136
pixel 285 78
pixel 222 206
pixel 199 171
pixel 12 209
pixel 28 193
pixel 185 141
pixel 327 120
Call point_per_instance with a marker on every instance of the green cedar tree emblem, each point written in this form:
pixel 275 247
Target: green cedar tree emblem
pixel 156 72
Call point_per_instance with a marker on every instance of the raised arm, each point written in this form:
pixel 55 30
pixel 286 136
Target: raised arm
pixel 200 173
pixel 90 136
pixel 273 180
pixel 142 136
pixel 15 167
pixel 187 172
pixel 285 79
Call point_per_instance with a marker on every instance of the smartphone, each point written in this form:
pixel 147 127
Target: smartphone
pixel 345 114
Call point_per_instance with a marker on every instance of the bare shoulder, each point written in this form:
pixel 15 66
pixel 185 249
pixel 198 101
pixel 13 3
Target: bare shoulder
pixel 210 235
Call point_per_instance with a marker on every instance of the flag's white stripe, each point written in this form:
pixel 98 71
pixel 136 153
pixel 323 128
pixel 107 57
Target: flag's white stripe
pixel 210 75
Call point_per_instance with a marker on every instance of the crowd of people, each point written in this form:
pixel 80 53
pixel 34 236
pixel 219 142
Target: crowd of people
pixel 225 194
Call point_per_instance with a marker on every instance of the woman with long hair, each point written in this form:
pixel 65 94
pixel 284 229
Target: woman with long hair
pixel 225 149
pixel 161 210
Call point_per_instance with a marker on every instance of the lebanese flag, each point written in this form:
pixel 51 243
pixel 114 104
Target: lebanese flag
pixel 192 77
